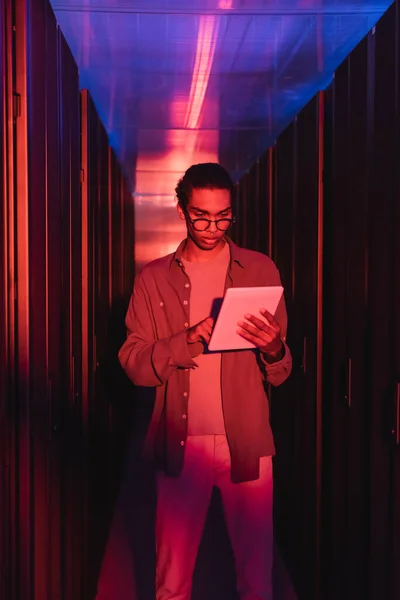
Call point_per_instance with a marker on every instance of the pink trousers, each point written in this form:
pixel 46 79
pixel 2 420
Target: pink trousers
pixel 182 506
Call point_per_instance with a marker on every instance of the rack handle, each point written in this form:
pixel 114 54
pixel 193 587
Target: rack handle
pixel 303 365
pixel 396 431
pixel 347 395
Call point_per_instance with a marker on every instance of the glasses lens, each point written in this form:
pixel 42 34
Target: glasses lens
pixel 224 224
pixel 200 224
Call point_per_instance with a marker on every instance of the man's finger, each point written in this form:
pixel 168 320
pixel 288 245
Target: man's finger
pixel 263 334
pixel 259 323
pixel 206 330
pixel 255 339
pixel 269 316
pixel 205 335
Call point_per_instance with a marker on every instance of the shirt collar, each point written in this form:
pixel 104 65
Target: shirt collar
pixel 237 253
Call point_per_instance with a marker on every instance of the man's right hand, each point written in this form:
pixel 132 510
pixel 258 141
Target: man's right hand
pixel 200 332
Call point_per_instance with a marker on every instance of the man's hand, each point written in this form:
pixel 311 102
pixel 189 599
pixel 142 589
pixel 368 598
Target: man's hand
pixel 200 332
pixel 265 336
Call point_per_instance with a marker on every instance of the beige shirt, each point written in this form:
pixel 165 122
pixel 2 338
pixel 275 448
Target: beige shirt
pixel 207 283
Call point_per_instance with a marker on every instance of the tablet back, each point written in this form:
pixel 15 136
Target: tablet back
pixel 238 302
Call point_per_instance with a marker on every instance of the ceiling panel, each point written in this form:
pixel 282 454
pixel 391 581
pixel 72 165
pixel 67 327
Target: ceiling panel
pixel 229 6
pixel 175 80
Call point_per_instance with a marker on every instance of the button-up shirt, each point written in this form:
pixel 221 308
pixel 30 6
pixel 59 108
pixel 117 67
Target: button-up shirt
pixel 156 354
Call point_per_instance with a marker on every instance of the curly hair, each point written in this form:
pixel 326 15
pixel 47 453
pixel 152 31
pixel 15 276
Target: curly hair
pixel 202 176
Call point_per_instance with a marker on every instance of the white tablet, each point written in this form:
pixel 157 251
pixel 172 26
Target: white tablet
pixel 236 303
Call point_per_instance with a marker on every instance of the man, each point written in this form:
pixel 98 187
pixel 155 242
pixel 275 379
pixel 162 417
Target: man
pixel 210 424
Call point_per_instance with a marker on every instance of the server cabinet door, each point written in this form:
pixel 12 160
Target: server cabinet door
pixel 57 362
pixel 307 305
pixel 99 440
pixel 72 500
pixel 37 237
pixel 354 382
pixel 382 373
pixel 5 367
pixel 346 425
pixel 395 510
pixel 284 398
pixel 335 336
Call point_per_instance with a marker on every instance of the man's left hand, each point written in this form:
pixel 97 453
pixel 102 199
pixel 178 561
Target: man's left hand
pixel 265 336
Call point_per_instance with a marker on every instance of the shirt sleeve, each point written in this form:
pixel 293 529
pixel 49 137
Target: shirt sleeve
pixel 146 360
pixel 276 373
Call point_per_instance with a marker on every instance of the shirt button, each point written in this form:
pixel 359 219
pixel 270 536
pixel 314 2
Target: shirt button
pixel 185 302
pixel 184 416
pixel 161 303
pixel 185 394
pixel 182 443
pixel 187 285
pixel 186 324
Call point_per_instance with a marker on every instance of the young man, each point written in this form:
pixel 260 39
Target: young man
pixel 210 424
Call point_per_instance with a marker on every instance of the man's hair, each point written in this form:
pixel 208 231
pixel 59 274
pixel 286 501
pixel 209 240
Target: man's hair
pixel 209 176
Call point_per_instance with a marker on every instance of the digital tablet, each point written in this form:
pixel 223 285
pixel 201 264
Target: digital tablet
pixel 236 303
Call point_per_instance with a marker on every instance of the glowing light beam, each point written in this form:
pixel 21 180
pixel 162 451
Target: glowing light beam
pixel 206 42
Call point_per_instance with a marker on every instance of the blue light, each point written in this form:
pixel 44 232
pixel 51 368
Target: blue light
pixel 267 60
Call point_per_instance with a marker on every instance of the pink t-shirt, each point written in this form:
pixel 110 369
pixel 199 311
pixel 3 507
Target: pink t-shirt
pixel 207 280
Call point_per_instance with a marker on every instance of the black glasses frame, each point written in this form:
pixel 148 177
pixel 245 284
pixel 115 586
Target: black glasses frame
pixel 193 222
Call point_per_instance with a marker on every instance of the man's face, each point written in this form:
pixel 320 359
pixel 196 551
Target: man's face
pixel 211 204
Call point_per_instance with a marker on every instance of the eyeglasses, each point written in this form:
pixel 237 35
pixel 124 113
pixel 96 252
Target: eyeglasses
pixel 204 224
